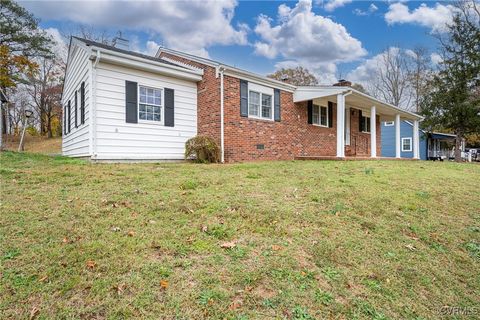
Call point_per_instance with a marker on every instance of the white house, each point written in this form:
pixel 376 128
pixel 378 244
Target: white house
pixel 120 105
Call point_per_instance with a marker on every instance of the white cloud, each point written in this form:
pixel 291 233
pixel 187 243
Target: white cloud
pixel 188 26
pixel 331 5
pixel 369 68
pixel 436 58
pixel 435 18
pixel 59 47
pixel 312 41
pixel 371 9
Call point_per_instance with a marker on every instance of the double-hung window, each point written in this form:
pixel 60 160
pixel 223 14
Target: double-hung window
pixel 260 105
pixel 320 115
pixel 150 104
pixel 365 124
pixel 406 144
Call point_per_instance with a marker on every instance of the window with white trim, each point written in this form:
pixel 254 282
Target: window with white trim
pixel 388 123
pixel 407 144
pixel 150 104
pixel 365 124
pixel 260 105
pixel 320 115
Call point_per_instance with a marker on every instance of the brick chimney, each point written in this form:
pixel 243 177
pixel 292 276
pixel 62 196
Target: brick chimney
pixel 343 83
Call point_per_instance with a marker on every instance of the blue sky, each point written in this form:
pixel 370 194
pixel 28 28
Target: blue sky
pixel 332 38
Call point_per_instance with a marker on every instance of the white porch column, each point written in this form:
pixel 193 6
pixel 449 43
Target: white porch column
pixel 416 140
pixel 397 136
pixel 340 126
pixel 373 132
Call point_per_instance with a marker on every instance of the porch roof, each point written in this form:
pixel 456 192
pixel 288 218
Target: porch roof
pixel 355 99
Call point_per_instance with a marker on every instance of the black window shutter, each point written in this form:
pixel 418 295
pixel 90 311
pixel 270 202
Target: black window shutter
pixel 169 108
pixel 131 102
pixel 82 103
pixel 69 116
pixel 361 122
pixel 310 111
pixel 76 110
pixel 330 114
pixel 65 120
pixel 243 98
pixel 276 104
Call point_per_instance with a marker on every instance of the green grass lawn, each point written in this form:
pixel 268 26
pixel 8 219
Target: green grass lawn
pixel 270 240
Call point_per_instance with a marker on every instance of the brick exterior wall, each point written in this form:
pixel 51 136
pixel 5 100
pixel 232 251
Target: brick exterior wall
pixel 248 139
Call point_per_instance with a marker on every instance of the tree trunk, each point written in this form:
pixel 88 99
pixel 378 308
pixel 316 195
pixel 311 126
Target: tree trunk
pixel 49 127
pixel 458 148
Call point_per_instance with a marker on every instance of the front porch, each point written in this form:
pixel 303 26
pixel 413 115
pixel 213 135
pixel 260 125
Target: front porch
pixel 349 158
pixel 356 118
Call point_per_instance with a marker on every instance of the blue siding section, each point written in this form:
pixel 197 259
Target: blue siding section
pixel 406 131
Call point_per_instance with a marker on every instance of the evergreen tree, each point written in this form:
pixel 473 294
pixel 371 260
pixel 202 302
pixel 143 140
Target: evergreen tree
pixel 454 101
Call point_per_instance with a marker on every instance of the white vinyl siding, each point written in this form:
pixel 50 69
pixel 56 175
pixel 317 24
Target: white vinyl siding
pixel 145 140
pixel 76 143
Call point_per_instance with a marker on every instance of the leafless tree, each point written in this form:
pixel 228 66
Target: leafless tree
pixel 391 80
pixel 44 89
pixel 420 71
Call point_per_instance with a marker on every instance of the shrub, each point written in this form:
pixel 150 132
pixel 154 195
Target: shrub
pixel 202 149
pixel 31 130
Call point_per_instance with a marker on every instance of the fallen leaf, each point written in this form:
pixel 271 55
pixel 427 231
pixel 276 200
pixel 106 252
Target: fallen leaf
pixel 91 264
pixel 228 245
pixel 164 284
pixel 204 229
pixel 121 288
pixel 410 247
pixel 114 205
pixel 34 313
pixel 276 247
pixel 236 303
pixel 131 233
pixel 65 240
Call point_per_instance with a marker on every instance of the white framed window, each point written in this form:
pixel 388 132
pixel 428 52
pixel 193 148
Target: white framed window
pixel 407 144
pixel 150 106
pixel 365 124
pixel 260 105
pixel 320 115
pixel 388 123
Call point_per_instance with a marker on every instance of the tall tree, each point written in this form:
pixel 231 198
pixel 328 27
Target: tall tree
pixel 420 71
pixel 454 101
pixel 44 88
pixel 20 41
pixel 391 80
pixel 298 76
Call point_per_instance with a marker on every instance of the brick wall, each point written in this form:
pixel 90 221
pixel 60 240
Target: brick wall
pixel 248 139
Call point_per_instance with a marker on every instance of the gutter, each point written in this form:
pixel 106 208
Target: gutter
pixel 147 65
pixel 93 91
pixel 220 71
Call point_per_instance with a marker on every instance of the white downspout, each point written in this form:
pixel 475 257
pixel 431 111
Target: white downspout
pixel 222 141
pixel 94 105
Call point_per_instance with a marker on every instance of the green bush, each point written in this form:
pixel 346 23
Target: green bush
pixel 31 130
pixel 202 149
